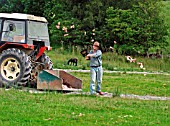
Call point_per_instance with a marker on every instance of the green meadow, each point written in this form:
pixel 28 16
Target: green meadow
pixel 56 108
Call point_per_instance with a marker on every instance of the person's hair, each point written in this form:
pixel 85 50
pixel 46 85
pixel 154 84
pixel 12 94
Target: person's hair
pixel 96 43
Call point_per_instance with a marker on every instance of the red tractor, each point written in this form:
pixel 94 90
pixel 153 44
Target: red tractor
pixel 23 41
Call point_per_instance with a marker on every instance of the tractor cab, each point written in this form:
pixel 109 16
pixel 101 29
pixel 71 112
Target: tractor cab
pixel 23 29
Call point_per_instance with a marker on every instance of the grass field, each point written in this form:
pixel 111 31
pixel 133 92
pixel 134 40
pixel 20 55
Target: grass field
pixel 21 108
pixel 53 108
pixel 139 84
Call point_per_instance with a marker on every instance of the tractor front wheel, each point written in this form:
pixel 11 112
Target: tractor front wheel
pixel 47 61
pixel 43 63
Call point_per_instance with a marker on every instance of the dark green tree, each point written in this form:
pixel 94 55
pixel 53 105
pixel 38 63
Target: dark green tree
pixel 139 28
pixel 11 6
pixel 134 24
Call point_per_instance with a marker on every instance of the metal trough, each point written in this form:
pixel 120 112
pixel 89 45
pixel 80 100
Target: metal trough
pixel 58 80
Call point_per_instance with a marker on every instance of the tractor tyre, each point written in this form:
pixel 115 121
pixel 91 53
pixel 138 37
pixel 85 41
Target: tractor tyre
pixel 43 62
pixel 47 61
pixel 15 67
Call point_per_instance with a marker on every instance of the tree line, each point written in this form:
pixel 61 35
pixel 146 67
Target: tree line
pixel 130 26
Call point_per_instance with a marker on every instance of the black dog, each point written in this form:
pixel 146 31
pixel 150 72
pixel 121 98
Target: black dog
pixel 72 61
pixel 84 52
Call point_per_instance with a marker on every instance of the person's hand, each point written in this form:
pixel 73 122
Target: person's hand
pixel 87 58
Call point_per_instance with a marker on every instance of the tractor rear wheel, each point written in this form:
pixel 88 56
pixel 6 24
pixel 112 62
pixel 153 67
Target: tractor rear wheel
pixel 15 67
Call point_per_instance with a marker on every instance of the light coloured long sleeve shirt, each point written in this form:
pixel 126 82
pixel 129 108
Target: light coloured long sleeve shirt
pixel 96 59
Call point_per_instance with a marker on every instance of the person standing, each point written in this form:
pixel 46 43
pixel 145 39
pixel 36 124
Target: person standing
pixel 96 70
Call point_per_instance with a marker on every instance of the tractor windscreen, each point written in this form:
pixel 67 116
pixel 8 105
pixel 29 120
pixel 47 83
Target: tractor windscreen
pixel 13 31
pixel 38 31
